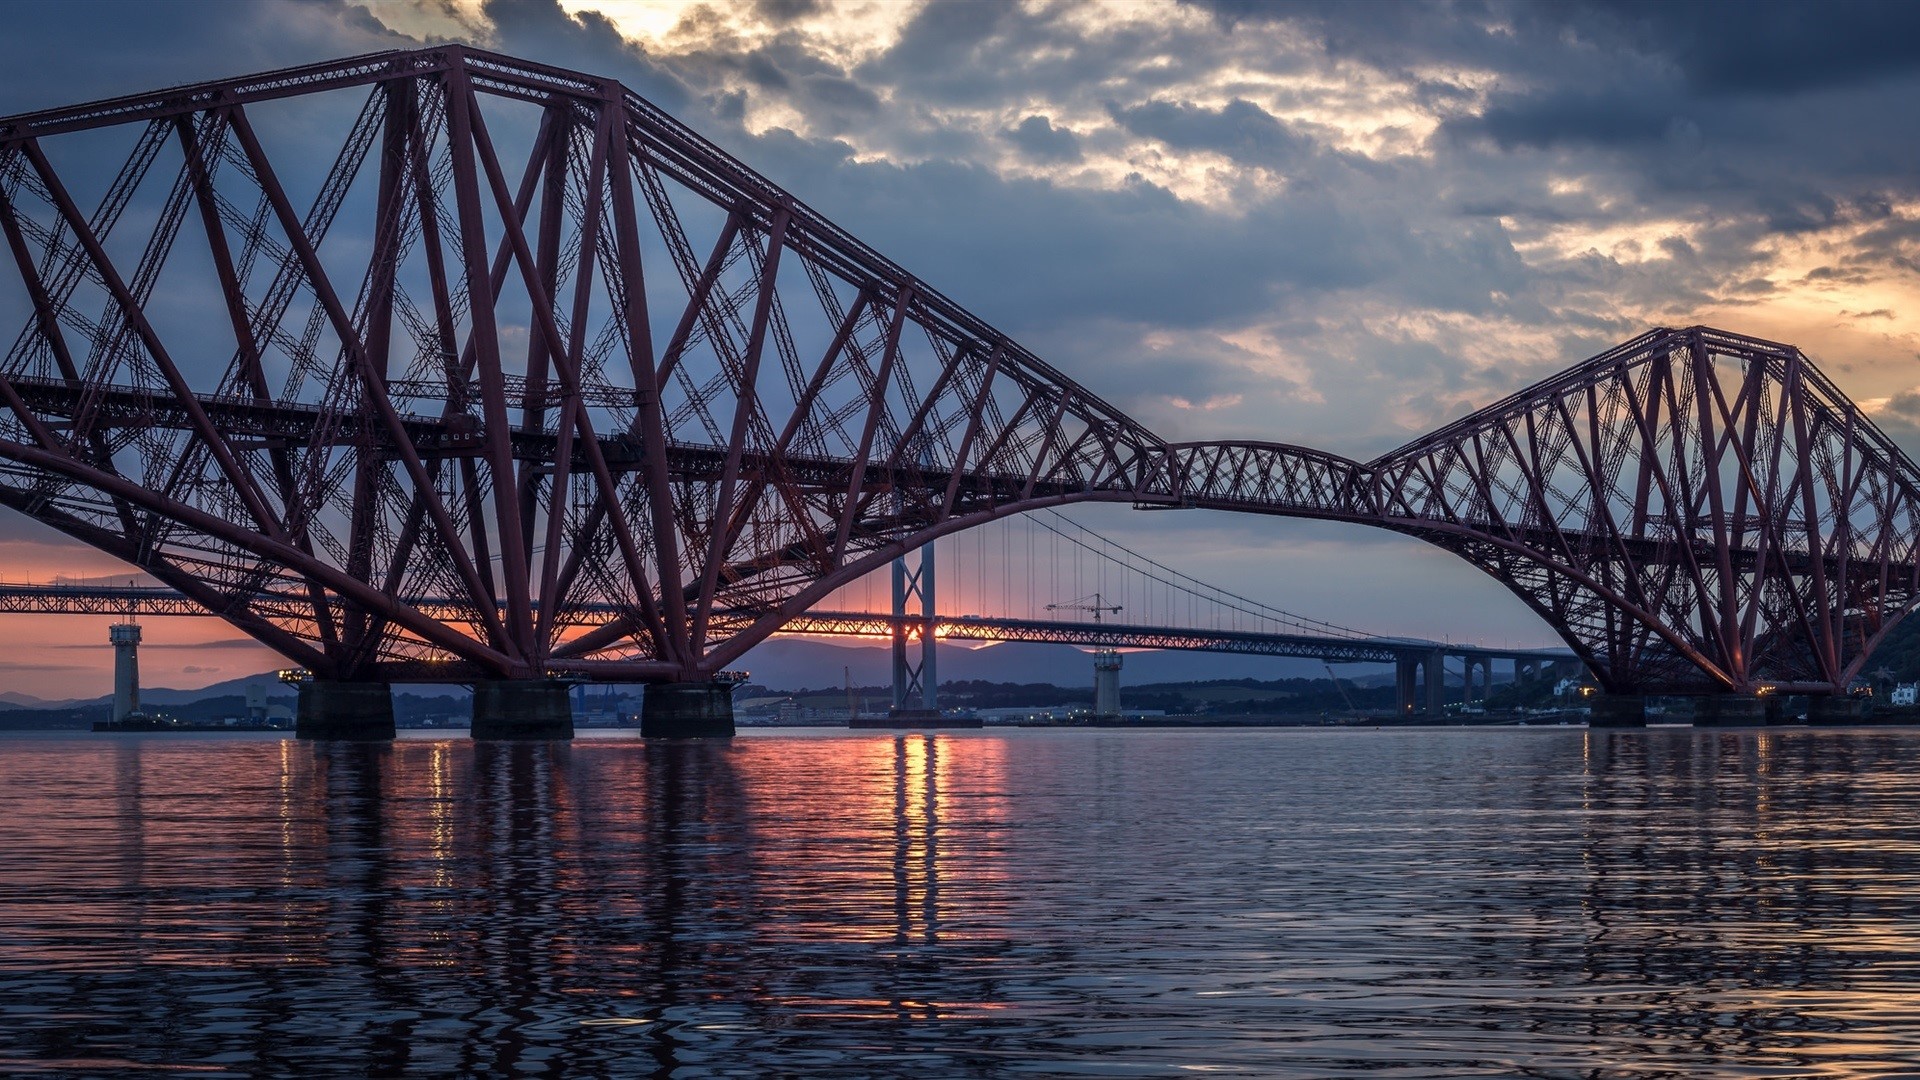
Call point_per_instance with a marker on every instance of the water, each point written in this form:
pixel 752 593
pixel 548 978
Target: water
pixel 1270 903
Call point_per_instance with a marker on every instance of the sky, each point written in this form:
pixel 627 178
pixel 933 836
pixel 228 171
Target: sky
pixel 1332 224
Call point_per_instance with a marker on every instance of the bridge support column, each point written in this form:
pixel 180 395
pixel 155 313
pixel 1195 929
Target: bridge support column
pixel 916 686
pixel 1618 711
pixel 687 711
pixel 1835 709
pixel 1436 684
pixel 361 711
pixel 1406 680
pixel 1729 710
pixel 522 709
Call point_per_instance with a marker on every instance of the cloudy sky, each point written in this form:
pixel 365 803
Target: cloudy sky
pixel 1323 223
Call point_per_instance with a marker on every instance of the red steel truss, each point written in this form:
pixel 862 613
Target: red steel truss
pixel 1693 511
pixel 522 342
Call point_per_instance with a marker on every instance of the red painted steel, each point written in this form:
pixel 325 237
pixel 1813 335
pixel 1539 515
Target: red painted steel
pixel 613 458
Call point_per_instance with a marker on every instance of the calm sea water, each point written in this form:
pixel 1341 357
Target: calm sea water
pixel 1268 903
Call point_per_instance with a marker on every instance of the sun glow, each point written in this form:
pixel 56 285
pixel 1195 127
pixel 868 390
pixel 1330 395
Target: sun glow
pixel 847 32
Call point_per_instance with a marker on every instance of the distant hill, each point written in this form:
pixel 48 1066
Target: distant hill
pixel 1899 654
pixel 163 696
pixel 14 699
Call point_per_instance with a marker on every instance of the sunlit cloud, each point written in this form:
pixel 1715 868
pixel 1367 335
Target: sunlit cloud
pixel 1218 401
pixel 430 20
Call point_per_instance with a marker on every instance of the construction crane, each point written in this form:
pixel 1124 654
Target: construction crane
pixel 1328 664
pixel 1081 604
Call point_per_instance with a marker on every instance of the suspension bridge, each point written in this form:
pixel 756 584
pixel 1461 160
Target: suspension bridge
pixel 1031 568
pixel 410 366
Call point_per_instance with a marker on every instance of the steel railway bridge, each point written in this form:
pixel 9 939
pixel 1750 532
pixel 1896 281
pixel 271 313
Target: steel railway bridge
pixel 524 342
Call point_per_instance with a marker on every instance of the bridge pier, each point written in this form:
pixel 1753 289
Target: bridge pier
pixel 1835 709
pixel 1476 681
pixel 1730 710
pixel 522 709
pixel 1420 683
pixel 1436 683
pixel 359 711
pixel 687 711
pixel 1618 711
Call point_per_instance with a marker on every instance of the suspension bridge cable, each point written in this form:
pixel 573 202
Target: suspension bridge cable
pixel 1193 588
pixel 1157 593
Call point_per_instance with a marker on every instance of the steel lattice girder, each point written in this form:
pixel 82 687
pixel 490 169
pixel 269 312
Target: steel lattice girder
pixel 637 379
pixel 1692 510
pixel 547 428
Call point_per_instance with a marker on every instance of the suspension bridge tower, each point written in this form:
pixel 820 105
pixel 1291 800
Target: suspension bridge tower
pixel 916 681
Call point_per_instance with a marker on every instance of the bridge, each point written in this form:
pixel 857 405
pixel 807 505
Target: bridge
pixel 300 389
pixel 1018 566
pixel 1421 666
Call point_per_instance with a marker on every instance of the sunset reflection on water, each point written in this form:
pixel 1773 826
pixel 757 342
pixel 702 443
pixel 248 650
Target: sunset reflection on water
pixel 1279 903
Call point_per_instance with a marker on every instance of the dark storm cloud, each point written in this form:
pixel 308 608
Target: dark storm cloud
pixel 1240 129
pixel 959 54
pixel 539 30
pixel 1766 48
pixel 1404 37
pixel 1684 101
pixel 1048 252
pixel 1039 140
pixel 1760 47
pixel 784 11
pixel 1574 116
pixel 943 52
pixel 1026 253
pixel 1900 417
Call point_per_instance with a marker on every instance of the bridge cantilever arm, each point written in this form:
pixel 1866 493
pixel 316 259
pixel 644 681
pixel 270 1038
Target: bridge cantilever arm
pixel 262 546
pixel 1416 526
pixel 191 590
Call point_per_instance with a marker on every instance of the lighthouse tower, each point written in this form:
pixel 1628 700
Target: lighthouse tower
pixel 1106 683
pixel 126 669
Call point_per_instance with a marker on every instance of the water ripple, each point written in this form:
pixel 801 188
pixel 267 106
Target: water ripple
pixel 1278 903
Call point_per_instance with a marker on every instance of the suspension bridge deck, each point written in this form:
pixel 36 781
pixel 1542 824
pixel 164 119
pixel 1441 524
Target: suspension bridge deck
pixel 149 601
